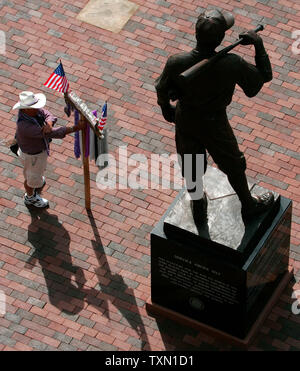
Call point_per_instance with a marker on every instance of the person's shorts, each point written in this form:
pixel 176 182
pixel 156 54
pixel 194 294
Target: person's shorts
pixel 34 168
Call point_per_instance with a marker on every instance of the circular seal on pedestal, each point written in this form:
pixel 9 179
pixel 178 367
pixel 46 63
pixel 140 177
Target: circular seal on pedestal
pixel 196 303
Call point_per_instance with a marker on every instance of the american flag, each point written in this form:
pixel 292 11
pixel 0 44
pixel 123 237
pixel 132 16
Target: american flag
pixel 58 81
pixel 102 121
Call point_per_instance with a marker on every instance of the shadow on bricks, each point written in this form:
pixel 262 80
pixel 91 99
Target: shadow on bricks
pixel 51 243
pixel 66 282
pixel 118 289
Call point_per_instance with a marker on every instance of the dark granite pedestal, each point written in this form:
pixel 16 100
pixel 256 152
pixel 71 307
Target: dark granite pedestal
pixel 222 274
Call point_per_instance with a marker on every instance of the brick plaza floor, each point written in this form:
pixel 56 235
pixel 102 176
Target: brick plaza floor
pixel 78 281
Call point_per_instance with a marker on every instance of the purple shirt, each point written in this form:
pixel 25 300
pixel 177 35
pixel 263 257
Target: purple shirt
pixel 29 133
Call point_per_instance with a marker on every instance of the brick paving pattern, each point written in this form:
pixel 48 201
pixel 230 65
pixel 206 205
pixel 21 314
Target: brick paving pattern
pixel 78 281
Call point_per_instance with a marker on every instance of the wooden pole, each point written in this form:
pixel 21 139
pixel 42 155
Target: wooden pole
pixel 86 115
pixel 86 168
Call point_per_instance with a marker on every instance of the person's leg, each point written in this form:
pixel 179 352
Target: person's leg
pixel 28 189
pixel 40 189
pixel 193 162
pixel 223 147
pixel 238 180
pixel 34 169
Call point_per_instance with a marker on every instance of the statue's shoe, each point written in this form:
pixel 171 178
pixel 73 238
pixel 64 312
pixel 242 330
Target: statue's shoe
pixel 261 204
pixel 199 210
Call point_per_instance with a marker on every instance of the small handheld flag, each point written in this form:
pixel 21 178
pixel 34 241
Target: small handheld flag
pixel 103 118
pixel 58 81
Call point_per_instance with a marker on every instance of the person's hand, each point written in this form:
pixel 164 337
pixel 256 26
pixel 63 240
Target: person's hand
pixel 11 142
pixel 75 128
pixel 250 38
pixel 47 128
pixel 81 125
pixel 169 113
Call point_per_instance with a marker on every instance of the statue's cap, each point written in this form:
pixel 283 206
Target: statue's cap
pixel 212 24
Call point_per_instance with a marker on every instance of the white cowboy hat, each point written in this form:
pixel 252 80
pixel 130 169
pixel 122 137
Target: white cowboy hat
pixel 30 100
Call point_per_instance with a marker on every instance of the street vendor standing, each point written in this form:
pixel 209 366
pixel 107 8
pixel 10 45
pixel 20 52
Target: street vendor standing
pixel 33 134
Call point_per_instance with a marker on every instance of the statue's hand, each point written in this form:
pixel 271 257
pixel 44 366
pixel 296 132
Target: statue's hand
pixel 250 38
pixel 169 113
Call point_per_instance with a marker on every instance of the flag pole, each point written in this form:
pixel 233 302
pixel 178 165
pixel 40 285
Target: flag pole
pixel 86 115
pixel 86 167
pixel 74 102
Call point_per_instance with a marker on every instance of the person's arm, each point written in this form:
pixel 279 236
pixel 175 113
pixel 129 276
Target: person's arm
pixel 50 120
pixel 50 132
pixel 35 132
pixel 263 62
pixel 163 87
pixel 48 116
pixel 74 128
pixel 252 77
pixel 62 131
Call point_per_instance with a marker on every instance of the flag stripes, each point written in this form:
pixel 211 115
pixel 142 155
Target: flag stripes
pixel 58 81
pixel 103 118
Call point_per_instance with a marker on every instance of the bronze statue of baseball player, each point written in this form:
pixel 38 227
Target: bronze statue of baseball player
pixel 200 113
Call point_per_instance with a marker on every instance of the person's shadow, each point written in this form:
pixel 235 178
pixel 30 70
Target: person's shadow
pixel 66 282
pixel 50 241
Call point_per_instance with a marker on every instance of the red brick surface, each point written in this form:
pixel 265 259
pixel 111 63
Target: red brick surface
pixel 75 281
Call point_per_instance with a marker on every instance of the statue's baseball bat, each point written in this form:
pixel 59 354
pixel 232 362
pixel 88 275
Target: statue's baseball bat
pixel 192 72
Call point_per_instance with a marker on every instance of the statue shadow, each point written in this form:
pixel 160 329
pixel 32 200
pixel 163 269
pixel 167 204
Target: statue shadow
pixel 118 288
pixel 66 282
